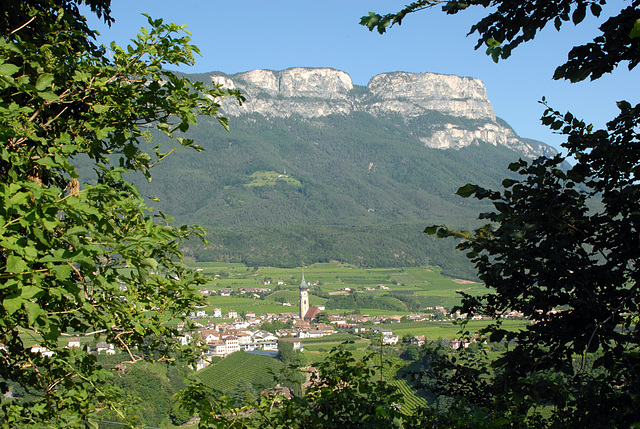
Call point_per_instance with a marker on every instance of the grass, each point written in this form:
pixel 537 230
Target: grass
pixel 270 178
pixel 340 337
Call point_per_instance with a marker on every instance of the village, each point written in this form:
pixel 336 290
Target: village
pixel 245 333
pixel 224 333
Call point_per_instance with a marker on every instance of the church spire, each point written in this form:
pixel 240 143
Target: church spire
pixel 304 297
pixel 303 283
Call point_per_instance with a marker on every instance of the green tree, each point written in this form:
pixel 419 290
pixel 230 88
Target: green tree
pixel 76 258
pixel 562 245
pixel 344 393
pixel 511 23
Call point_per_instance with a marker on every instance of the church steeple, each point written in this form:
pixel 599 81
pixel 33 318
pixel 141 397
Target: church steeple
pixel 304 297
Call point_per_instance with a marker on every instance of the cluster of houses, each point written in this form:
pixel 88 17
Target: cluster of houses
pixel 225 338
pixel 100 347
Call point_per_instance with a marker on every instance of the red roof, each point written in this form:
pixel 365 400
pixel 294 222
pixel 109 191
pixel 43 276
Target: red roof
pixel 312 313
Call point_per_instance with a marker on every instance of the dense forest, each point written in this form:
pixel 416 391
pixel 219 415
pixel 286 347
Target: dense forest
pixel 358 188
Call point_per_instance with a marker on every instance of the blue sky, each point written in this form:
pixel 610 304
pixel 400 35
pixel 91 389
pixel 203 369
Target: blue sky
pixel 236 36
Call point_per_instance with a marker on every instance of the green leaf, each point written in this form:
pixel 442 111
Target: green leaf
pixel 11 305
pixel 33 311
pixel 579 13
pixel 15 264
pixel 143 158
pixel 44 81
pixel 48 95
pixel 8 69
pixel 635 31
pixel 466 190
pixel 150 262
pixel 431 230
pixel 29 292
pixel 100 108
pixel 139 329
pixel 62 272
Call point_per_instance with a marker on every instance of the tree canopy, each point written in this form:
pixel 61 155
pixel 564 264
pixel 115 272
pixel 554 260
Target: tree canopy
pixel 77 257
pixel 512 22
pixel 561 245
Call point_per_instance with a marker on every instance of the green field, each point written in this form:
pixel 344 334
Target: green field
pixel 425 283
pixel 238 367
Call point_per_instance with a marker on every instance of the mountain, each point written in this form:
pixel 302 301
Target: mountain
pixel 316 168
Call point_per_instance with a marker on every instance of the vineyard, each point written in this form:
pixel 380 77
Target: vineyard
pixel 411 400
pixel 240 367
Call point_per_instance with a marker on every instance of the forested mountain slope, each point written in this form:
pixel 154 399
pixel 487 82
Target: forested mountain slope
pixel 357 184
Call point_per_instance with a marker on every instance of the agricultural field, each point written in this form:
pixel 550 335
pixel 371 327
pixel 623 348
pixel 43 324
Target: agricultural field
pixel 426 284
pixel 239 367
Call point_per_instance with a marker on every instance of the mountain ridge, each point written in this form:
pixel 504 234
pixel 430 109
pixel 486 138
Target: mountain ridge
pixel 317 92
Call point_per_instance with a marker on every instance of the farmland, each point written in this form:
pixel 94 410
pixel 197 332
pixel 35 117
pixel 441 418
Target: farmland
pixel 239 367
pixel 425 285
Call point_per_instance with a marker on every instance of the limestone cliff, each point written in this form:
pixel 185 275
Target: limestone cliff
pixel 464 114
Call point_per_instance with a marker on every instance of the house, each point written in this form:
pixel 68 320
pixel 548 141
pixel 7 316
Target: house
pixel 208 335
pixel 455 344
pixel 264 336
pixel 240 324
pixel 390 339
pixel 297 344
pixel 244 290
pixel 73 342
pixel 271 346
pixel 185 339
pixel 244 338
pixel 198 314
pixel 359 329
pixel 106 348
pixel 232 344
pixel 217 348
pixel 36 348
pixel 201 363
pixel 248 347
pixel 217 312
pixel 418 340
pixel 383 331
pixel 232 314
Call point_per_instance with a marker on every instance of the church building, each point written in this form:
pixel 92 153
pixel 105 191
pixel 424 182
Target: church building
pixel 306 313
pixel 304 298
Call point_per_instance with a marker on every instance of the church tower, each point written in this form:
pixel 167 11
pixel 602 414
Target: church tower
pixel 304 298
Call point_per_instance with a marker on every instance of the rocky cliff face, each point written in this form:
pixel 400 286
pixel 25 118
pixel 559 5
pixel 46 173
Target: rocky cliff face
pixel 465 117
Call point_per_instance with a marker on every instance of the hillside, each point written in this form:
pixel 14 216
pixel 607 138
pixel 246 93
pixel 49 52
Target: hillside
pixel 241 367
pixel 357 185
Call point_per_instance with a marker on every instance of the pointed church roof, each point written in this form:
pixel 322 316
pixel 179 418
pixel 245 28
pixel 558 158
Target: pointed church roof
pixel 303 284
